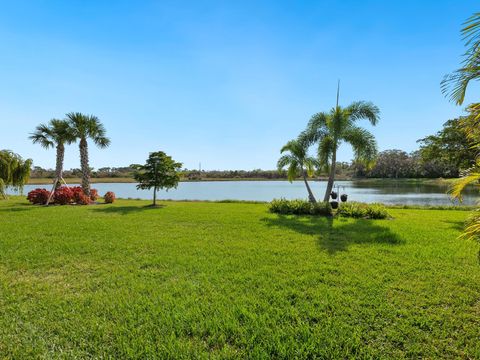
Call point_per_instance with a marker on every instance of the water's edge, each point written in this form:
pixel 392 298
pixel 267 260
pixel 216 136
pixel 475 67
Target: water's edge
pixel 388 193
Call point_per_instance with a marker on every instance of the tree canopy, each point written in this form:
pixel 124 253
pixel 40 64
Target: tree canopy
pixel 449 146
pixel 14 171
pixel 159 172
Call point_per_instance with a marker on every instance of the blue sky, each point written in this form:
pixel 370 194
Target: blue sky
pixel 224 83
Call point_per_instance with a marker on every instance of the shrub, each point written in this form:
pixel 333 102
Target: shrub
pixel 63 195
pixel 322 208
pixel 77 193
pixel 299 207
pixel 83 199
pixel 93 194
pixel 362 210
pixel 38 196
pixel 109 197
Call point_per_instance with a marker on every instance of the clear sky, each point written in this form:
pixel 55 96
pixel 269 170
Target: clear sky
pixel 224 83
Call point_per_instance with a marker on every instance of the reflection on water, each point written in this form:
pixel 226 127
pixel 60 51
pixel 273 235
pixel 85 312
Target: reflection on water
pixel 388 192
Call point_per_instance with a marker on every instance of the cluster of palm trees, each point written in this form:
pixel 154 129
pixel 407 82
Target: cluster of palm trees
pixel 75 127
pixel 328 130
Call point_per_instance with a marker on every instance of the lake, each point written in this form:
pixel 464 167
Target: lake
pixel 387 192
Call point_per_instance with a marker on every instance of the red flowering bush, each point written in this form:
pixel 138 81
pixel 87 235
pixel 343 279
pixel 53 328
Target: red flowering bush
pixel 63 195
pixel 93 194
pixel 83 199
pixel 77 193
pixel 38 196
pixel 109 197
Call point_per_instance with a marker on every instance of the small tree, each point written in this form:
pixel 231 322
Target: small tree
pixel 14 171
pixel 159 172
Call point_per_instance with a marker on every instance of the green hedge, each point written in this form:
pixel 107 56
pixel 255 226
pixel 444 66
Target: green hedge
pixel 299 207
pixel 362 210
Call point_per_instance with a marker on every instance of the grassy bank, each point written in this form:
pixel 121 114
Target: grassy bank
pixel 230 280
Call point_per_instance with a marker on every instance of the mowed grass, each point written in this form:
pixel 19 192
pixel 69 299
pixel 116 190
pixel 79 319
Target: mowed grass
pixel 230 280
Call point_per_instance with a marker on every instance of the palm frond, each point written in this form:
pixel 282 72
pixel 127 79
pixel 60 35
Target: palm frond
pixel 88 126
pixel 459 186
pixel 43 135
pixel 316 129
pixel 326 147
pixel 363 110
pixel 293 171
pixel 363 144
pixel 284 161
pixel 310 164
pixel 455 85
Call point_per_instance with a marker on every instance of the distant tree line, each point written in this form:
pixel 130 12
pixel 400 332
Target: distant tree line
pixel 234 174
pixel 445 154
pixel 104 172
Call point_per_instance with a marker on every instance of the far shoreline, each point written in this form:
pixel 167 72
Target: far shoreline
pixel 110 180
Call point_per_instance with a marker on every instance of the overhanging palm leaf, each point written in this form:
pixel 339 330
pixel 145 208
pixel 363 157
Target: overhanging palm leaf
pixel 363 144
pixel 455 85
pixel 459 186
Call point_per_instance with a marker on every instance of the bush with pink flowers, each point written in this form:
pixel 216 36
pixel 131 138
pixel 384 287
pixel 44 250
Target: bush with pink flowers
pixel 93 194
pixel 109 197
pixel 63 195
pixel 38 196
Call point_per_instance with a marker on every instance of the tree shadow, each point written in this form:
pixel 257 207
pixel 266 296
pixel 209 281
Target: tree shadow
pixel 19 207
pixel 125 210
pixel 336 234
pixel 457 225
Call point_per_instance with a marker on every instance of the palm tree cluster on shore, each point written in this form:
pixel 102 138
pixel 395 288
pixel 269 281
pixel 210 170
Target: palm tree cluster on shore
pixel 328 130
pixel 75 127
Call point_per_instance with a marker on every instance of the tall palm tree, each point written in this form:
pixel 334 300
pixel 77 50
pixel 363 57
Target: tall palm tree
pixel 54 134
pixel 298 162
pixel 455 85
pixel 84 127
pixel 330 130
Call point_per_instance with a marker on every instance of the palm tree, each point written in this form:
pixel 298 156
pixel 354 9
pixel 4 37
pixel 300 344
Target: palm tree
pixel 56 133
pixel 330 129
pixel 455 85
pixel 298 162
pixel 84 127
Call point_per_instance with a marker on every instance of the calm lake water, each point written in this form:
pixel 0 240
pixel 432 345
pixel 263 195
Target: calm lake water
pixel 388 192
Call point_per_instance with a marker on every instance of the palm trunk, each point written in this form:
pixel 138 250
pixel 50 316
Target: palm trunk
pixel 85 167
pixel 311 197
pixel 331 177
pixel 59 163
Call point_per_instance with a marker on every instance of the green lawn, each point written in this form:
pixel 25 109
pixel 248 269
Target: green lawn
pixel 230 280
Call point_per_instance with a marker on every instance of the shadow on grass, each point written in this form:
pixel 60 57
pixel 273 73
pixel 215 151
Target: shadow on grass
pixel 19 207
pixel 457 225
pixel 337 234
pixel 125 210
